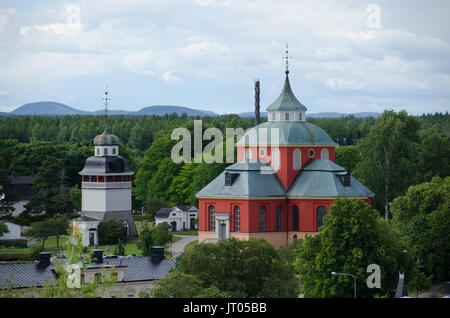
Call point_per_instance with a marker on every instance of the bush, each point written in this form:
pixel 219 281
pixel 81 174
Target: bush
pixel 110 232
pixel 35 250
pixel 141 217
pixel 15 243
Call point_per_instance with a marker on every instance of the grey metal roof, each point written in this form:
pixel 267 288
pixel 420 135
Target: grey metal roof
pixel 289 133
pixel 321 178
pixel 287 100
pixel 24 275
pixel 256 179
pixel 163 213
pixel 100 165
pixel 142 268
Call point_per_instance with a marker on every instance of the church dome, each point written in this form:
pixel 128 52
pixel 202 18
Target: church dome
pixel 290 133
pixel 106 139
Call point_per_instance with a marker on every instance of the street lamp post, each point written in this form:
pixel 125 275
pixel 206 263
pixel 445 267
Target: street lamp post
pixel 354 280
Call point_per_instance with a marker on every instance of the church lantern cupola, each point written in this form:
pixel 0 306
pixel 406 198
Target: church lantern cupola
pixel 286 107
pixel 106 144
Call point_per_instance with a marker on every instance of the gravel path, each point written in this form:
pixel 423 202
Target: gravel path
pixel 178 247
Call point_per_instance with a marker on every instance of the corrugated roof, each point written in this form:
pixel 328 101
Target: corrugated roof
pixel 140 268
pixel 24 275
pixel 287 100
pixel 256 179
pixel 289 133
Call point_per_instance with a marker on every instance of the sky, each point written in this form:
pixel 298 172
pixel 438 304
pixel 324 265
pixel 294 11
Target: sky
pixel 346 56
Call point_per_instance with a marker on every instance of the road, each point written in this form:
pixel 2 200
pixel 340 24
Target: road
pixel 178 247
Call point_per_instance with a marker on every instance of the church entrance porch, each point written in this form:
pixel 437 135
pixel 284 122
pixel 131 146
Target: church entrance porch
pixel 222 225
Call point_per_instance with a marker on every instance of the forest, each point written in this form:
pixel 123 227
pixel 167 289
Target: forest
pixel 403 159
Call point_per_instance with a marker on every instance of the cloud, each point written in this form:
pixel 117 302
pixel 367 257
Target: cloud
pixel 220 46
pixel 169 78
pixel 4 92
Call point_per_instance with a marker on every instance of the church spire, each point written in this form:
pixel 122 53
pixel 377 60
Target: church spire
pixel 287 57
pixel 106 99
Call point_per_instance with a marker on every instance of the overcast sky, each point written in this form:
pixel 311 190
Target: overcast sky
pixel 347 56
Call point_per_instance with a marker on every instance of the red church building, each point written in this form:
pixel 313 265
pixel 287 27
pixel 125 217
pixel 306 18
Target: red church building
pixel 283 184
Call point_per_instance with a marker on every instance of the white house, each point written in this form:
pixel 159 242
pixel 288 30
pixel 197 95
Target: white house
pixel 180 217
pixel 14 232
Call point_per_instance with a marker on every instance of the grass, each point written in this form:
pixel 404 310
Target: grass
pixel 188 232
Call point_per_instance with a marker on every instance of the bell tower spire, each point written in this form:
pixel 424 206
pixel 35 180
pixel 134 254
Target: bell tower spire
pixel 106 99
pixel 287 57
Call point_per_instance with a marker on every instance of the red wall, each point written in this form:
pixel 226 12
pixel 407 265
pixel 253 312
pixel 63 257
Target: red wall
pixel 249 210
pixel 287 173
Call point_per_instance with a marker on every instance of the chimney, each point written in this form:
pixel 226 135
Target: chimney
pixel 97 256
pixel 158 252
pixel 44 259
pixel 257 107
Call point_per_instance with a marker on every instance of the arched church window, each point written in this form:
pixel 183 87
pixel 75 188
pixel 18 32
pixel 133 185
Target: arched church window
pixel 237 219
pixel 273 116
pixel 262 219
pixel 297 159
pixel 98 151
pixel 126 229
pixel 324 154
pixel 276 159
pixel 299 116
pixel 279 218
pixel 212 218
pixel 114 151
pixel 105 151
pixel 295 218
pixel 321 212
pixel 286 116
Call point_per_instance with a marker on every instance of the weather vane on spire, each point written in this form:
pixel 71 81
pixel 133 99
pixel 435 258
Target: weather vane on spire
pixel 106 99
pixel 287 59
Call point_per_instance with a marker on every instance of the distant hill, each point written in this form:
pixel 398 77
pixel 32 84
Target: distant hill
pixel 58 109
pixel 47 108
pixel 167 109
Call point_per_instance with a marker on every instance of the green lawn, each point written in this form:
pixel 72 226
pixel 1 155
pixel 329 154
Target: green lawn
pixel 50 245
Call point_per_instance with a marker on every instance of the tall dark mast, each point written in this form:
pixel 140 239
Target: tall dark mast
pixel 257 105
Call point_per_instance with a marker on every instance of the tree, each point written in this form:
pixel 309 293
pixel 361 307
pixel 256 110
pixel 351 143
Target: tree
pixel 152 205
pixel 60 225
pixel 3 229
pixel 348 157
pixel 41 230
pixel 120 248
pixel 434 151
pixel 423 215
pixel 353 236
pixel 158 151
pixel 145 242
pixel 110 231
pixel 161 235
pixel 240 268
pixel 389 154
pixel 180 285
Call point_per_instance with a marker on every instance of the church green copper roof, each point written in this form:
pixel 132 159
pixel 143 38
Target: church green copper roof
pixel 287 100
pixel 256 179
pixel 106 139
pixel 290 133
pixel 322 178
